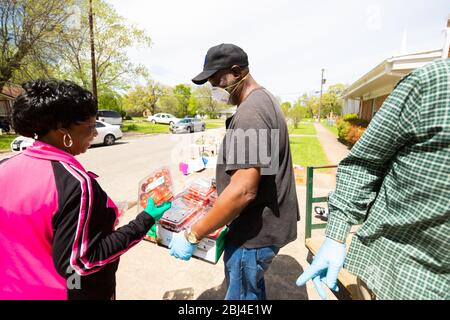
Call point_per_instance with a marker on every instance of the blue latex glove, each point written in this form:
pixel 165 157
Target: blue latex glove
pixel 156 212
pixel 181 248
pixel 325 267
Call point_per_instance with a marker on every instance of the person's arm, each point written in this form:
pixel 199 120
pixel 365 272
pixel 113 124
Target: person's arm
pixel 241 191
pixel 79 241
pixel 236 197
pixel 361 174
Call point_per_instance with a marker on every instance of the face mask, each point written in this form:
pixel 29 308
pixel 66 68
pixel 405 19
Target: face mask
pixel 224 94
pixel 220 95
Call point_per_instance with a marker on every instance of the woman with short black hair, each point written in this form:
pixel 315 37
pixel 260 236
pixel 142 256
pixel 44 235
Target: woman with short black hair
pixel 57 225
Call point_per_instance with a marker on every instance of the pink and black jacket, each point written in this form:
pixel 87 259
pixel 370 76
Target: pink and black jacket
pixel 57 229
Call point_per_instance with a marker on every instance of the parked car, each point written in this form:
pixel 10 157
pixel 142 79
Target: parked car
pixel 188 125
pixel 109 116
pixel 21 143
pixel 5 124
pixel 107 134
pixel 165 118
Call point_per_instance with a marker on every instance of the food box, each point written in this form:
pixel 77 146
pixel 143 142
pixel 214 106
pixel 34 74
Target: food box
pixel 300 175
pixel 209 249
pixel 158 186
pixel 187 207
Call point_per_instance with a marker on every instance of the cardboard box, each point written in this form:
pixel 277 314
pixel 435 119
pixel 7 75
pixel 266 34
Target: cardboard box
pixel 209 249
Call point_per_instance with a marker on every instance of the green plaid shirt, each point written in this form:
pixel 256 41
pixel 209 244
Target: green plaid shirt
pixel 396 184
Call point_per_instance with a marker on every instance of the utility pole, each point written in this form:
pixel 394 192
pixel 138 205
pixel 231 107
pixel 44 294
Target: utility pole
pixel 94 73
pixel 322 82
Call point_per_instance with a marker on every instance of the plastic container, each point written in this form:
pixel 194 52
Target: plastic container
pixel 158 186
pixel 180 214
pixel 199 191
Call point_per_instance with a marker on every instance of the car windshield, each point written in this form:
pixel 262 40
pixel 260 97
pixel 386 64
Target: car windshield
pixel 185 121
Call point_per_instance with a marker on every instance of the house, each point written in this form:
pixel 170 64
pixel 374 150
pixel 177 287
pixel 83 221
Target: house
pixel 226 113
pixel 366 95
pixel 7 97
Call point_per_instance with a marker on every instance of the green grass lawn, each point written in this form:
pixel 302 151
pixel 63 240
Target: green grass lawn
pixel 5 141
pixel 215 123
pixel 142 126
pixel 303 128
pixel 307 151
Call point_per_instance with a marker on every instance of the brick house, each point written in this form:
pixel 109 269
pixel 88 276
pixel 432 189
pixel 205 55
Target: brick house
pixel 7 97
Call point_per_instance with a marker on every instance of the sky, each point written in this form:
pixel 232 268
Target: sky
pixel 288 42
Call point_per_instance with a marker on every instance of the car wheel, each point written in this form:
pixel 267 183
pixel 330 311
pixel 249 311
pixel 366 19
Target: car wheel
pixel 203 128
pixel 170 123
pixel 190 130
pixel 109 140
pixel 153 122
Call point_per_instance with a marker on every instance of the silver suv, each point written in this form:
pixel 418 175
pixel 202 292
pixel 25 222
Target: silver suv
pixel 188 125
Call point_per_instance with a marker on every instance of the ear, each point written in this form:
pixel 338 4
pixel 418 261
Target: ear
pixel 62 130
pixel 236 71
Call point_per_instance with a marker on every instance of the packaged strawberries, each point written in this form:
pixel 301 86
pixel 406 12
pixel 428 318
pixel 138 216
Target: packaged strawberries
pixel 157 186
pixel 199 191
pixel 180 214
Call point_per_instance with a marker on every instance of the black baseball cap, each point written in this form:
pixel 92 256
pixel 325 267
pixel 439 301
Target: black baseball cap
pixel 220 57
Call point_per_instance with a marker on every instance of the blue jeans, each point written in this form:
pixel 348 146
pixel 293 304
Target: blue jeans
pixel 244 272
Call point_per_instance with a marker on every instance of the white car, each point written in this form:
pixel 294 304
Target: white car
pixel 165 118
pixel 21 143
pixel 107 134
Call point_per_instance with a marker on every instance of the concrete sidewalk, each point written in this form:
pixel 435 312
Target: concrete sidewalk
pixel 334 150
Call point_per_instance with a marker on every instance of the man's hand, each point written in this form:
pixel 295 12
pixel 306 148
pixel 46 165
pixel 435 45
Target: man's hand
pixel 181 248
pixel 156 212
pixel 325 267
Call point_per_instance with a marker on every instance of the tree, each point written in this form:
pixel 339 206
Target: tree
pixel 205 103
pixel 297 113
pixel 337 89
pixel 111 100
pixel 312 105
pixel 112 39
pixel 143 98
pixel 285 107
pixel 28 29
pixel 168 102
pixel 182 93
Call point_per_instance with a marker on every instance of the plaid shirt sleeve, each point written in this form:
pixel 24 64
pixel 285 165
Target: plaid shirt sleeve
pixel 361 174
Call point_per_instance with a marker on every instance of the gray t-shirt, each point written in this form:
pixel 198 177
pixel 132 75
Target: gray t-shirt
pixel 257 137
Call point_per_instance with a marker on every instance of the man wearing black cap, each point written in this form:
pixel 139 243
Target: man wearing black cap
pixel 254 175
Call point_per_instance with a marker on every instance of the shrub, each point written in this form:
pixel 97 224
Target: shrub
pixel 343 128
pixel 350 116
pixel 351 128
pixel 354 134
pixel 130 127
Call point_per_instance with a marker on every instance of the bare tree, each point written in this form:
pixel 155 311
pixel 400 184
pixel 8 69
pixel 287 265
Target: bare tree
pixel 28 28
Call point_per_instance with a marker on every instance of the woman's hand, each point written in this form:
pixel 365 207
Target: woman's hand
pixel 156 212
